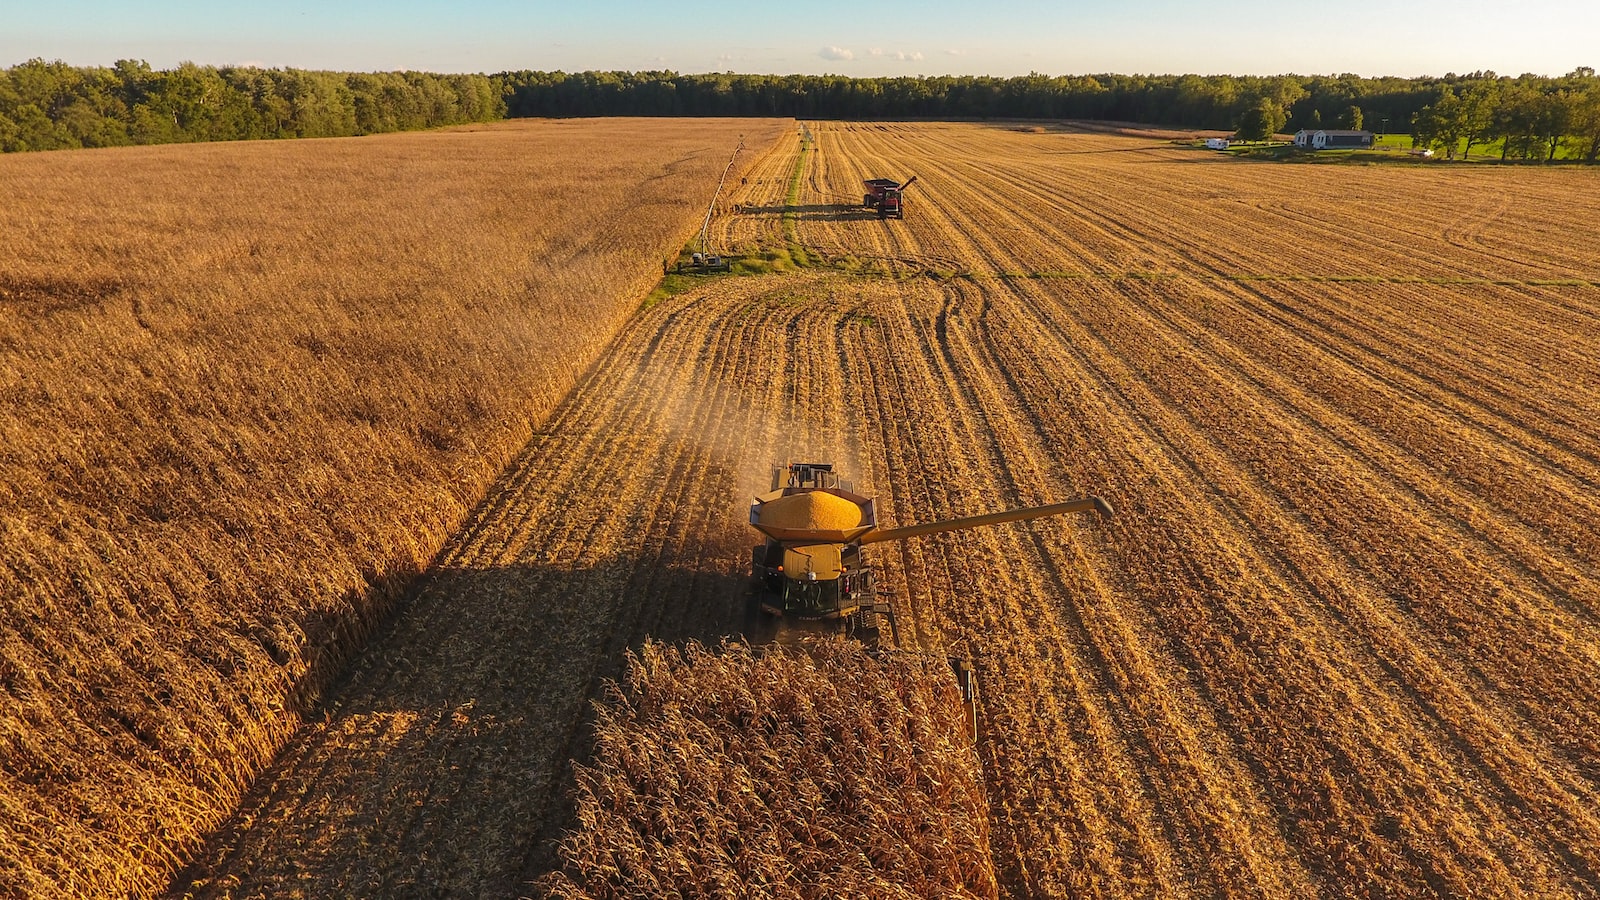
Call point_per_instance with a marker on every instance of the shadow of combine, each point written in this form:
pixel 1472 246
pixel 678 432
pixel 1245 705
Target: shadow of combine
pixel 445 755
pixel 444 760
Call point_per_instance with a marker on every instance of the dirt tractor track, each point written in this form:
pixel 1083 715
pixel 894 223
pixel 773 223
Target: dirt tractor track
pixel 1343 637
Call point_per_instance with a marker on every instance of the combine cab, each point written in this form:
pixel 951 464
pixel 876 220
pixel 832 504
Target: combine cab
pixel 887 196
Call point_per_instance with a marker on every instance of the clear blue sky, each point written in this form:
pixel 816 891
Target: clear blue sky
pixel 999 37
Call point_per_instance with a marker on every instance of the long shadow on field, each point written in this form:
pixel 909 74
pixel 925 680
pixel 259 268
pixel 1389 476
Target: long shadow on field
pixel 1139 149
pixel 816 212
pixel 444 762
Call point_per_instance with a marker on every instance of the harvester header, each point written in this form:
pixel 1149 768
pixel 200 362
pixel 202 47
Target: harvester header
pixel 1085 504
pixel 812 566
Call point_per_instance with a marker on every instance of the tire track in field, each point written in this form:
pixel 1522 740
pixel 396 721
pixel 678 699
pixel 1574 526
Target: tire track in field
pixel 1190 779
pixel 977 228
pixel 1511 856
pixel 954 598
pixel 946 378
pixel 1107 720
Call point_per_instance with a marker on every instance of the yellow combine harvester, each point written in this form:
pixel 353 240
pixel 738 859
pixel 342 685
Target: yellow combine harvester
pixel 811 566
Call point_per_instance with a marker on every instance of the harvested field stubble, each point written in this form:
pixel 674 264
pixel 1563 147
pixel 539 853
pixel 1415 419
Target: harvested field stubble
pixel 247 390
pixel 1343 637
pixel 817 772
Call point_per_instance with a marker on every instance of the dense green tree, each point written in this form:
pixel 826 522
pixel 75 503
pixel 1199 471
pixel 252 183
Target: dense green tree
pixel 1261 121
pixel 135 81
pixel 1551 120
pixel 1439 125
pixel 1586 123
pixel 1477 113
pixel 1516 120
pixel 53 105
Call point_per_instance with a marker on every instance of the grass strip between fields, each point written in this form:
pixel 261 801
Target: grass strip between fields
pixel 791 202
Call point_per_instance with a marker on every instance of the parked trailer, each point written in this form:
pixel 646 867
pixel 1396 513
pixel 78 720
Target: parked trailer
pixel 875 189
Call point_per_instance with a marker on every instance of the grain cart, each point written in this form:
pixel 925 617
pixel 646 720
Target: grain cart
pixel 887 196
pixel 812 566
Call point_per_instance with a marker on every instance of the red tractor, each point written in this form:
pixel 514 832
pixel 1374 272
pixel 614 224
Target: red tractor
pixel 887 196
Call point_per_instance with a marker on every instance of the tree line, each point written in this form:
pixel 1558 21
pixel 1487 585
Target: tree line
pixel 50 105
pixel 1532 116
pixel 1528 119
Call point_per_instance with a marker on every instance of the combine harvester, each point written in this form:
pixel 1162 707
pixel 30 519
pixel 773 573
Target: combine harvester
pixel 887 196
pixel 811 568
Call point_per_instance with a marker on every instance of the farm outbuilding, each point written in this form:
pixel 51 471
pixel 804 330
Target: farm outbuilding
pixel 1331 139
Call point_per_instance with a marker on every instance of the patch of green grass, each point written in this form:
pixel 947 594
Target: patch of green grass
pixel 769 260
pixel 1261 149
pixel 849 262
pixel 671 285
pixel 1045 274
pixel 792 199
pixel 1398 149
pixel 751 260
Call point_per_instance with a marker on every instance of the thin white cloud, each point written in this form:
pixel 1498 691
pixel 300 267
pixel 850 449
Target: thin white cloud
pixel 955 53
pixel 901 55
pixel 836 53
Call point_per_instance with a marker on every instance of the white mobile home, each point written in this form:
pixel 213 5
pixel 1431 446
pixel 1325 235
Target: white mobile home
pixel 1332 139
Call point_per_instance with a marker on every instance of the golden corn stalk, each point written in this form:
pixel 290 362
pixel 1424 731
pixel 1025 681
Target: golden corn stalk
pixel 736 772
